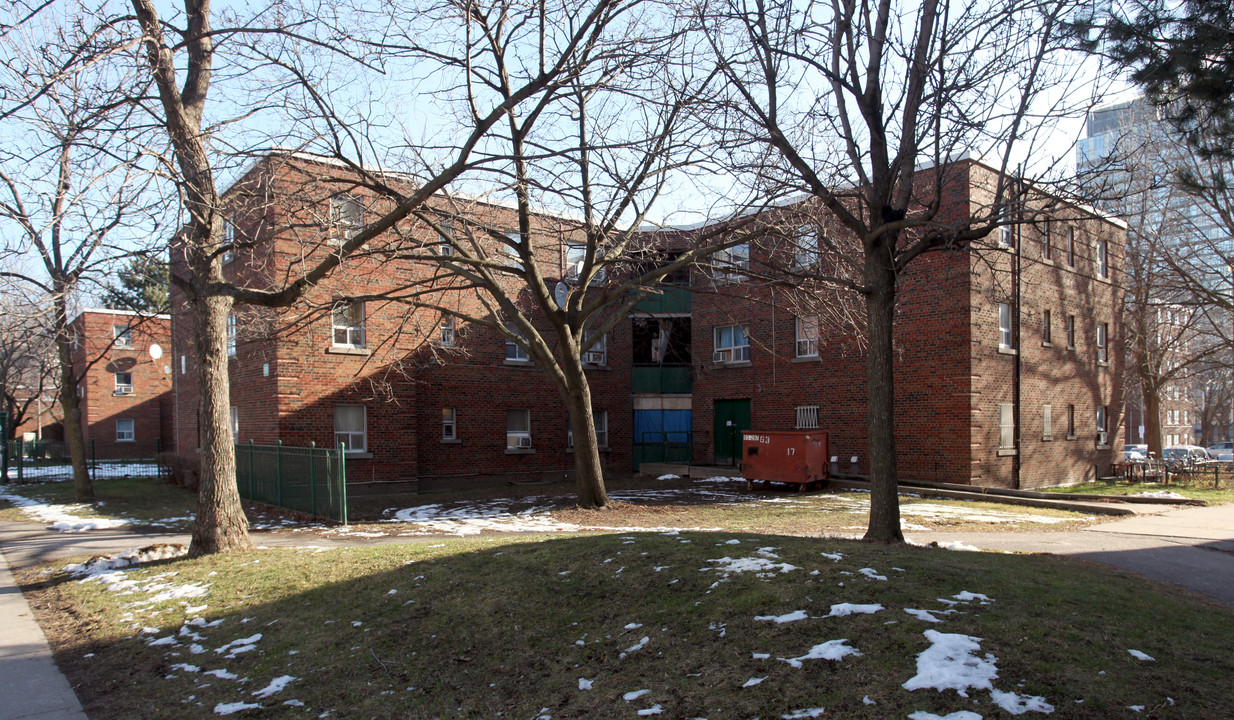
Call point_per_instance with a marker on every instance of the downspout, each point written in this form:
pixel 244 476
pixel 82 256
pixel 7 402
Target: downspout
pixel 1019 344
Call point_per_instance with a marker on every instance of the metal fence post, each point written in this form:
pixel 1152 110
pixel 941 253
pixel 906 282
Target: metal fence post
pixel 278 454
pixel 94 463
pixel 312 480
pixel 342 479
pixel 251 468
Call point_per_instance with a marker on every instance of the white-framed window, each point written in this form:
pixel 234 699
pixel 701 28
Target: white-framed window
pixel 806 252
pixel 576 254
pixel 447 331
pixel 1103 258
pixel 1103 331
pixel 518 429
pixel 445 247
pixel 509 251
pixel 346 217
pixel 807 417
pixel 807 336
pixel 184 364
pixel 229 240
pixel 1102 436
pixel 449 424
pixel 1005 339
pixel 514 351
pixel 599 419
pixel 350 427
pixel 1071 332
pixel 1006 426
pixel 1070 247
pixel 731 344
pixel 125 431
pixel 122 336
pixel 1006 238
pixel 597 352
pixel 124 383
pixel 1047 326
pixel 231 335
pixel 235 425
pixel 1047 251
pixel 731 262
pixel 347 324
pixel 1047 423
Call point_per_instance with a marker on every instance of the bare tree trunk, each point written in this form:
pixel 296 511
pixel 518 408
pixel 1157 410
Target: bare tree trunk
pixel 589 473
pixel 219 524
pixel 1152 417
pixel 880 279
pixel 69 405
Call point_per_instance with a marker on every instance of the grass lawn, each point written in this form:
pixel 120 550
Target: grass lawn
pixel 689 625
pixel 1200 489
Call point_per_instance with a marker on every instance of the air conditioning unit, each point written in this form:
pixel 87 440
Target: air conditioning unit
pixel 524 443
pixel 1103 438
pixel 594 358
pixel 124 391
pixel 721 356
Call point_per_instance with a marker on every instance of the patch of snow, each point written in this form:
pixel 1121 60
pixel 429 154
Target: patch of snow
pixel 833 556
pixel 872 574
pixel 790 617
pixel 1141 656
pixel 843 609
pixel 867 701
pixel 753 681
pixel 1136 708
pixel 1167 494
pixel 276 685
pixel 925 615
pixel 241 645
pixel 669 476
pixel 760 656
pixel 632 626
pixel 221 674
pixel 634 695
pixel 186 668
pixel 957 715
pixel 637 646
pixel 584 684
pixel 60 517
pixel 128 558
pixel 951 663
pixel 653 710
pixel 229 708
pixel 751 564
pixel 830 650
pixel 806 713
pixel 957 545
pixel 1020 704
pixel 967 596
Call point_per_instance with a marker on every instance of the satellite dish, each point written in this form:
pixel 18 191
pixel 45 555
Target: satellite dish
pixel 156 352
pixel 559 292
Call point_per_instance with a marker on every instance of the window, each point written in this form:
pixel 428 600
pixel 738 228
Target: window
pixel 229 240
pixel 807 337
pixel 125 431
pixel 597 353
pixel 1005 237
pixel 807 417
pixel 235 425
pixel 1103 259
pixel 124 383
pixel 447 331
pixel 449 424
pixel 509 251
pixel 731 344
pixel 1071 332
pixel 231 335
pixel 445 248
pixel 806 252
pixel 184 366
pixel 518 430
pixel 599 419
pixel 1103 330
pixel 349 428
pixel 1004 327
pixel 514 351
pixel 1071 247
pixel 1071 421
pixel 576 254
pixel 729 262
pixel 122 336
pixel 1046 327
pixel 1101 432
pixel 1047 251
pixel 1006 426
pixel 347 321
pixel 346 217
pixel 1047 429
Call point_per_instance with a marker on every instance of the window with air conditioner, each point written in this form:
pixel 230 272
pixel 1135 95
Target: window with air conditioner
pixel 807 337
pixel 518 429
pixel 1103 259
pixel 731 344
pixel 449 424
pixel 1103 331
pixel 124 383
pixel 730 264
pixel 597 353
pixel 807 417
pixel 122 336
pixel 447 331
pixel 125 431
pixel 350 428
pixel 1006 238
pixel 346 217
pixel 599 420
pixel 1102 436
pixel 347 324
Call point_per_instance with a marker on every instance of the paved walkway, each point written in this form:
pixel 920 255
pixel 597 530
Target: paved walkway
pixel 1191 547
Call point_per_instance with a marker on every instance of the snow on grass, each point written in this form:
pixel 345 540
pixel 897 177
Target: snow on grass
pixel 653 710
pixel 806 713
pixel 637 646
pixel 276 685
pixel 966 596
pixel 1020 704
pixel 843 609
pixel 61 517
pixel 872 574
pixel 584 684
pixel 476 517
pixel 634 695
pixel 1141 655
pixel 957 715
pixel 924 615
pixel 830 650
pixel 128 558
pixel 833 556
pixel 222 674
pixel 761 566
pixel 789 617
pixel 753 681
pixel 951 663
pixel 956 545
pixel 1164 494
pixel 229 708
pixel 242 645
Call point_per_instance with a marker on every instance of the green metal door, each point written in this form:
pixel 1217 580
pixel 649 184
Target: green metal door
pixel 731 418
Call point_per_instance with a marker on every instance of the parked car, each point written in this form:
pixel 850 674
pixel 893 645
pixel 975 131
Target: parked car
pixel 1223 451
pixel 1133 455
pixel 1185 455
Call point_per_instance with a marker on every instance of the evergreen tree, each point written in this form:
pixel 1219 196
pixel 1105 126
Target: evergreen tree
pixel 141 287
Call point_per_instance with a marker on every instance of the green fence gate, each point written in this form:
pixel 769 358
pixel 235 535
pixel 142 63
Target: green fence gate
pixel 310 480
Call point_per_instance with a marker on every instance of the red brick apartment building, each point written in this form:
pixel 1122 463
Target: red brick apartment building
pixel 1009 369
pixel 126 383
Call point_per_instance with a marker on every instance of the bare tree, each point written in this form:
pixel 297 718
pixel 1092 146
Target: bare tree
pixel 28 367
pixel 848 101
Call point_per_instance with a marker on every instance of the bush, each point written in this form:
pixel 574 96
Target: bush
pixel 184 470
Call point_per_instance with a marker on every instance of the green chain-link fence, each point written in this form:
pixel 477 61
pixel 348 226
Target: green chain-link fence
pixel 310 480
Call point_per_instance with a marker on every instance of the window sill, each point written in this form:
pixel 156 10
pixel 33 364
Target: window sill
pixel 358 455
pixel 742 364
pixel 348 350
pixel 1047 344
pixel 1071 348
pixel 1047 438
pixel 1103 447
pixel 122 394
pixel 127 441
pixel 1047 261
pixel 807 359
pixel 1103 363
pixel 520 451
pixel 1006 452
pixel 454 441
pixel 1008 351
pixel 516 363
pixel 1071 437
pixel 591 366
pixel 602 448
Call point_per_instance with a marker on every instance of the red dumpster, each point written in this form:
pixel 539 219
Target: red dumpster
pixel 798 457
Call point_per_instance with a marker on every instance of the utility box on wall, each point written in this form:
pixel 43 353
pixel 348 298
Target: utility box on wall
pixel 795 457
